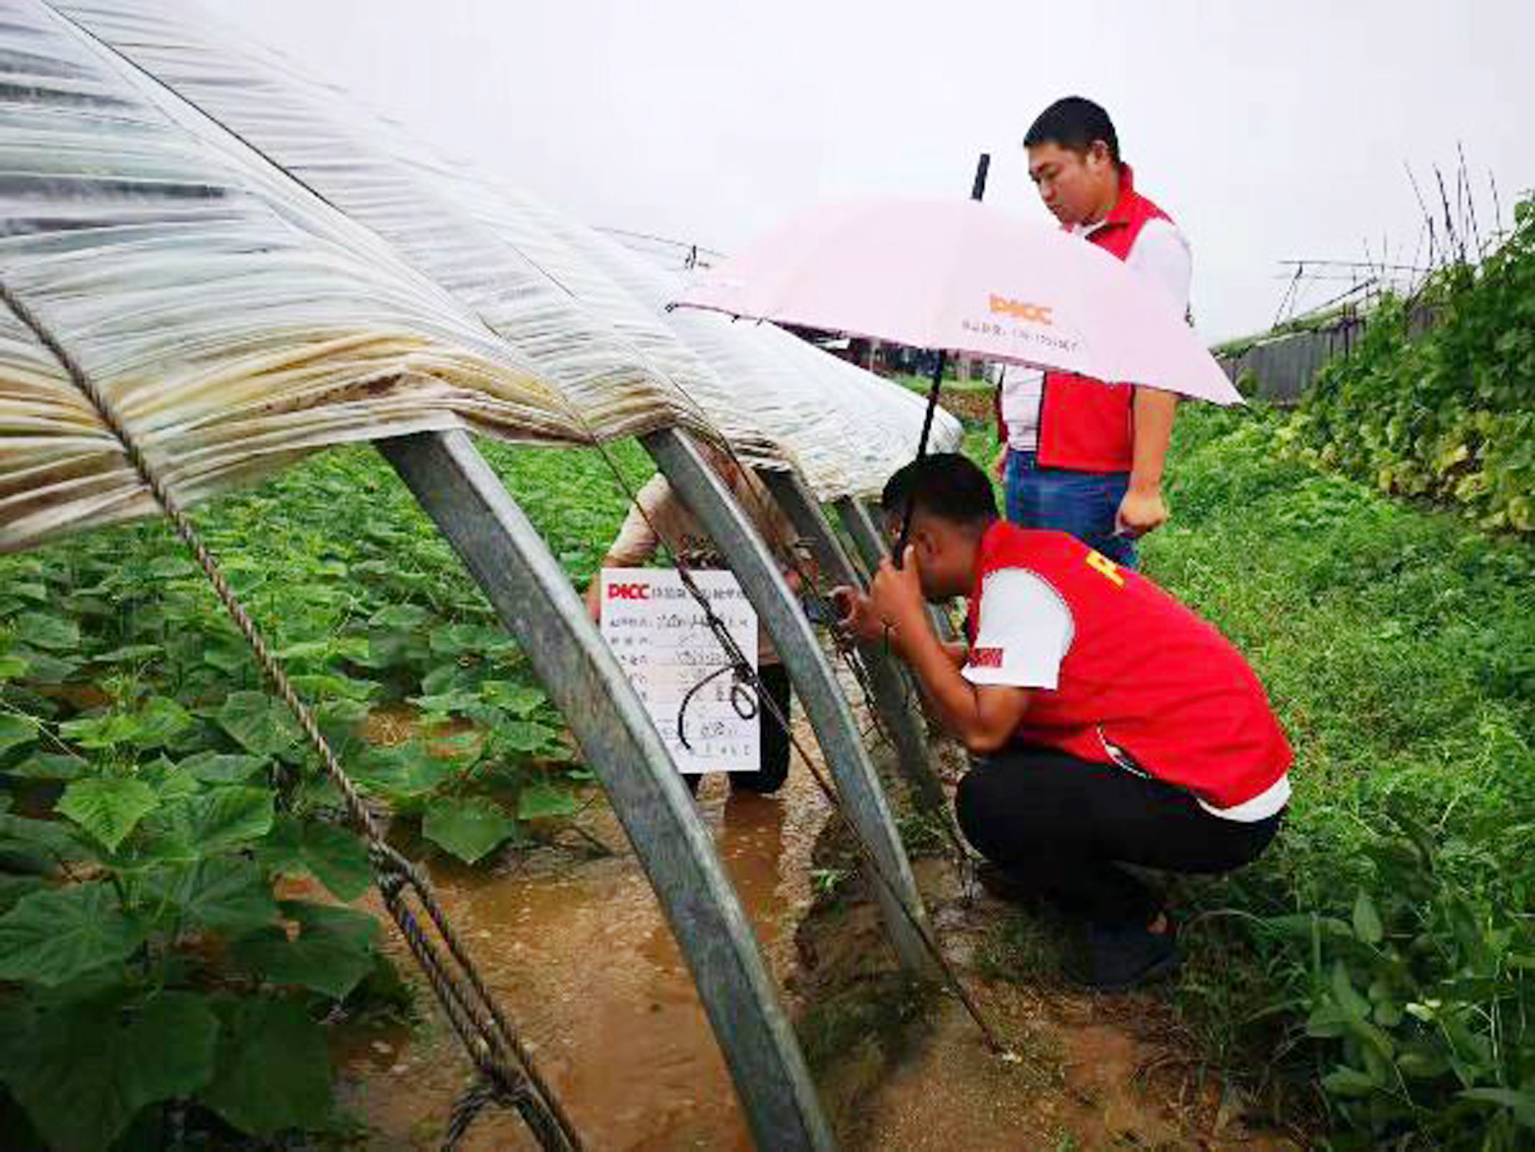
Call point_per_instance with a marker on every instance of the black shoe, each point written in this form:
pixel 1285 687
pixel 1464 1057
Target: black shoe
pixel 1120 958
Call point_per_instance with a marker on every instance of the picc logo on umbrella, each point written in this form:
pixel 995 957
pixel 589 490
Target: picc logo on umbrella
pixel 1037 313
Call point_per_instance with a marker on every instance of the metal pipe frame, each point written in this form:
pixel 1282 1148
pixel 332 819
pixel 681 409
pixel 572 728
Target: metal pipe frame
pixel 862 799
pixel 535 601
pixel 887 680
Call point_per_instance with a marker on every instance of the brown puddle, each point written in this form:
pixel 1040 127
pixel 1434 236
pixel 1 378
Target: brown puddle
pixel 582 962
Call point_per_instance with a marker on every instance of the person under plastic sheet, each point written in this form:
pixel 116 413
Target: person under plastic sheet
pixel 659 516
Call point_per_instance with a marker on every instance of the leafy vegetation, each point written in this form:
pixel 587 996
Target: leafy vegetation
pixel 1383 947
pixel 1375 969
pixel 1448 413
pixel 153 797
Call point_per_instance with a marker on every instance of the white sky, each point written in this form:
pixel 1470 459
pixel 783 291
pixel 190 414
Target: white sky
pixel 1269 131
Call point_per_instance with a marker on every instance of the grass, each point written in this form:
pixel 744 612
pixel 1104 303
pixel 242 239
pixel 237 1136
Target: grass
pixel 1398 647
pixel 922 383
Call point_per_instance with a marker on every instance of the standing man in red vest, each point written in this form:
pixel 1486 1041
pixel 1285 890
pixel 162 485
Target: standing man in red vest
pixel 1081 455
pixel 1111 725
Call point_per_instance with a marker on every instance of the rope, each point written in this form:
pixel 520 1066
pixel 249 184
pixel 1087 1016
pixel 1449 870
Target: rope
pixel 505 1069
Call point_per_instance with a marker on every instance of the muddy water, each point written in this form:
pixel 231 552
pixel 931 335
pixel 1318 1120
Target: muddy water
pixel 580 958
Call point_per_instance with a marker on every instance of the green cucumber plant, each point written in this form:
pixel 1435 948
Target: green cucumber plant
pixel 144 957
pixel 1448 413
pixel 151 961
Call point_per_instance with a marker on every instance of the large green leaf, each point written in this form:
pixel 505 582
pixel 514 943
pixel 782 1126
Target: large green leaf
pixel 50 766
pixel 48 840
pixel 230 818
pixel 86 1069
pixel 51 632
pixel 402 772
pixel 261 724
pixel 273 1068
pixel 105 730
pixel 467 827
pixel 51 937
pixel 545 800
pixel 334 855
pixel 519 699
pixel 109 808
pixel 224 895
pixel 207 824
pixel 160 721
pixel 526 735
pixel 401 618
pixel 16 732
pixel 332 952
pixel 213 768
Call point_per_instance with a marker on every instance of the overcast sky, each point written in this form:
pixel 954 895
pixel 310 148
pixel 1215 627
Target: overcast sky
pixel 1269 131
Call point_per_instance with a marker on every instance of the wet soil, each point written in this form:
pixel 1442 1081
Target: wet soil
pixel 1083 1071
pixel 579 956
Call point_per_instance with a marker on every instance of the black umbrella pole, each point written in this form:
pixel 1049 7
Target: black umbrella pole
pixel 977 190
pixel 927 427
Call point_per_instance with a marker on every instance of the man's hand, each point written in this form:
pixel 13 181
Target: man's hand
pixel 1139 513
pixel 896 595
pixel 894 602
pixel 999 465
pixel 1142 509
pixel 855 614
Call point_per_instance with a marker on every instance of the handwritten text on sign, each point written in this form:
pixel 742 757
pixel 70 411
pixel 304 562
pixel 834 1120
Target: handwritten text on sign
pixel 657 631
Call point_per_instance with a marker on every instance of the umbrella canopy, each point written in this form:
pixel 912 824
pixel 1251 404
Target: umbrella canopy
pixel 962 276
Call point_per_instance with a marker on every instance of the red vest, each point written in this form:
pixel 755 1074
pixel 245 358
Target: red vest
pixel 1085 424
pixel 1144 676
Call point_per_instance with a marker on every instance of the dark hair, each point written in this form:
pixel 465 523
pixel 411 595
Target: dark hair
pixel 944 484
pixel 1073 122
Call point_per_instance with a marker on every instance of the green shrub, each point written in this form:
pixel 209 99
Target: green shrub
pixel 1397 645
pixel 1447 414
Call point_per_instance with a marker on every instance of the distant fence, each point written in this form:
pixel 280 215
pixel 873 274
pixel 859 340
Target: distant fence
pixel 1280 368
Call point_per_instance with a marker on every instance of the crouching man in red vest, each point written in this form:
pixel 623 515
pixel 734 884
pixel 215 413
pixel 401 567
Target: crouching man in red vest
pixel 1110 724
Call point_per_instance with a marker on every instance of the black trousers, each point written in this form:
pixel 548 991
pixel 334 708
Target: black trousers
pixel 1060 826
pixel 774 737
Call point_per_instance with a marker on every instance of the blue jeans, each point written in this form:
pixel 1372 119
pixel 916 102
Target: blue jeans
pixel 1082 503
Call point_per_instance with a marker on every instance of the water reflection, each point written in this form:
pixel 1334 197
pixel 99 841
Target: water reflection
pixel 583 962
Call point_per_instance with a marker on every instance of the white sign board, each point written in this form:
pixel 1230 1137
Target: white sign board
pixel 658 633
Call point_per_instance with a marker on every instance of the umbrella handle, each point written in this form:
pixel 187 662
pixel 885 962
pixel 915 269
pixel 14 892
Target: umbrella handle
pixel 927 426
